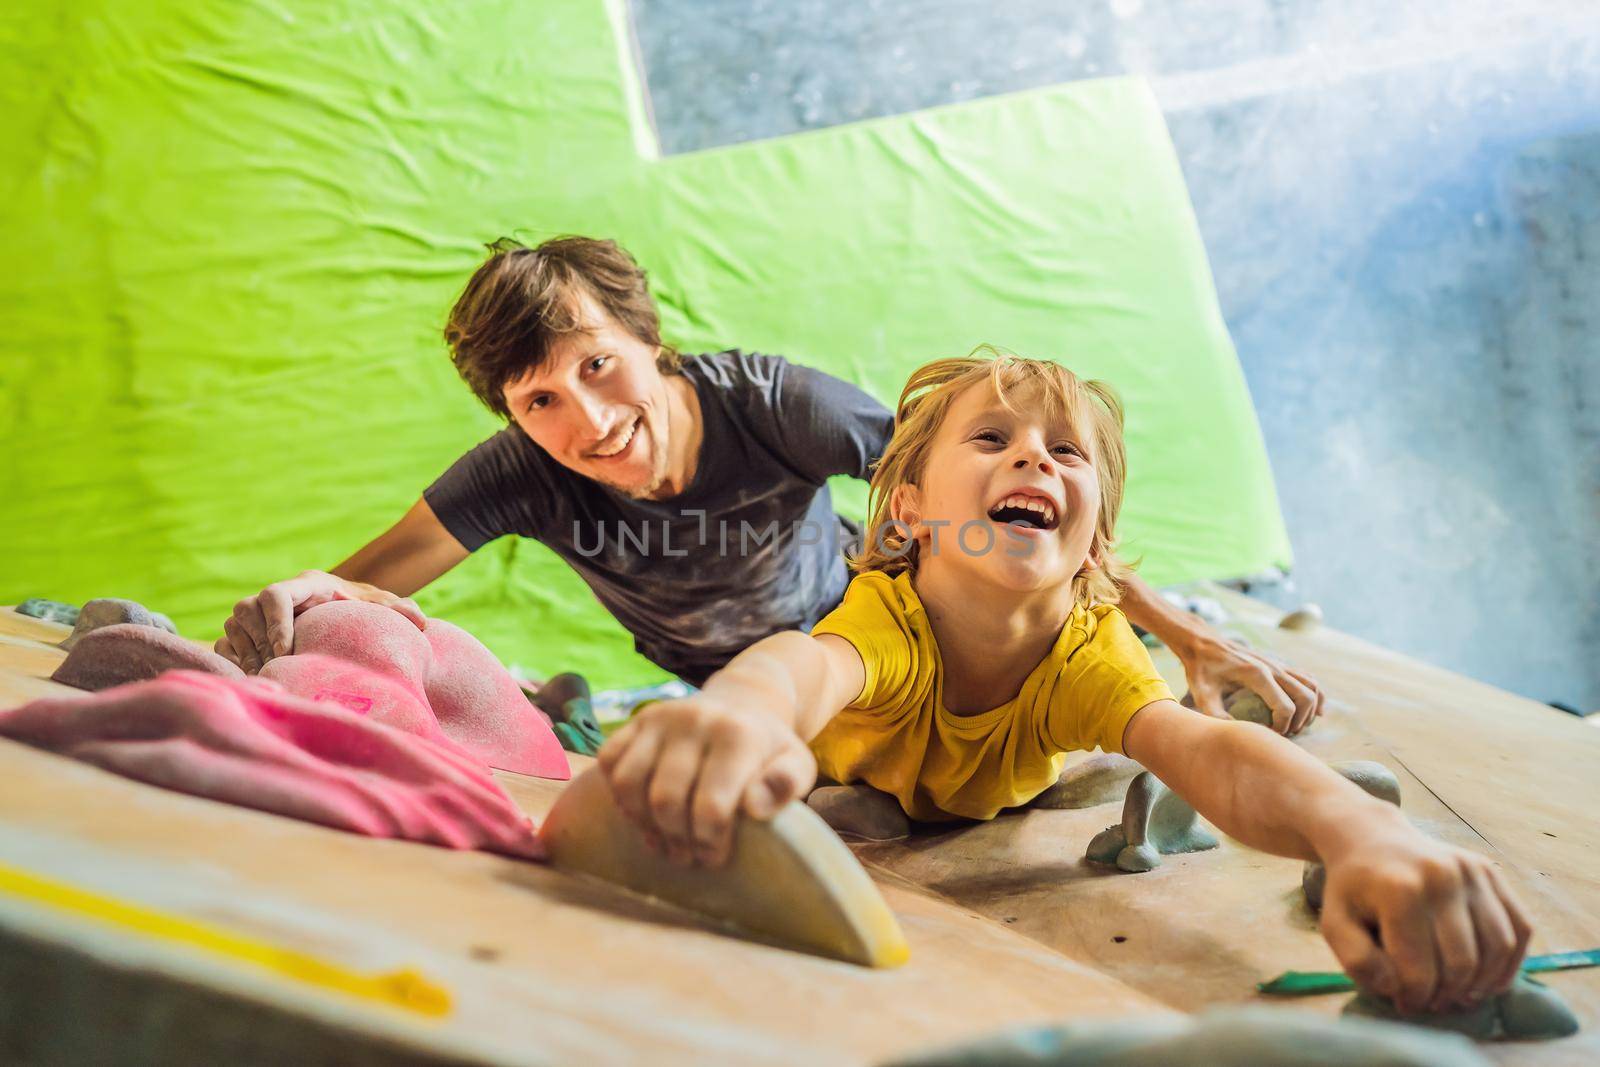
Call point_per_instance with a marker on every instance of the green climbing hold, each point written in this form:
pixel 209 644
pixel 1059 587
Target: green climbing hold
pixel 566 699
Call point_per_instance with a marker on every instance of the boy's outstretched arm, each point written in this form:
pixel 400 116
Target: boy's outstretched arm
pixel 683 769
pixel 1428 924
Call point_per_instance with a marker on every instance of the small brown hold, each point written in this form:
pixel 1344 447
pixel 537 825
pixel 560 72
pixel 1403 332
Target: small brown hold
pixel 130 652
pixel 860 811
pixel 1306 617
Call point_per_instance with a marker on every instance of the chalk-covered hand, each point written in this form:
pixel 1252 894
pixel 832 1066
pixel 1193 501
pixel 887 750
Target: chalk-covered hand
pixel 1430 926
pixel 262 626
pixel 683 770
pixel 1216 666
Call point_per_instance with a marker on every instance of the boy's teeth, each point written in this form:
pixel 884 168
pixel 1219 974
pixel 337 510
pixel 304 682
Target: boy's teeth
pixel 1031 503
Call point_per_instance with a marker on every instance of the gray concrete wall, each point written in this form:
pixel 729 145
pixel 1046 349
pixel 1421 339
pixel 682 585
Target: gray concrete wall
pixel 1401 200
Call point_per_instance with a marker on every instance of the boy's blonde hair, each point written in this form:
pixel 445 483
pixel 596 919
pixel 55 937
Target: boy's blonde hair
pixel 1090 407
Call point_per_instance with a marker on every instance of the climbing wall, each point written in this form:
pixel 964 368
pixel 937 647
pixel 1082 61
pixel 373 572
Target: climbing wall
pixel 234 231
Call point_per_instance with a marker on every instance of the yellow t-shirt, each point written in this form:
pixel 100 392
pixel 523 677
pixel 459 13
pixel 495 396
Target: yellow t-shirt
pixel 898 737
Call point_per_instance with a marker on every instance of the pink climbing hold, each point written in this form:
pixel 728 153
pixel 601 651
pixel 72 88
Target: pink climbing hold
pixel 357 689
pixel 373 636
pixel 483 709
pixel 474 700
pixel 247 742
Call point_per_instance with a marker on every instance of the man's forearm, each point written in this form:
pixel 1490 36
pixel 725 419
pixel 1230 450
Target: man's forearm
pixel 1149 610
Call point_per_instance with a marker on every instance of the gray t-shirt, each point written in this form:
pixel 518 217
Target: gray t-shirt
pixel 750 548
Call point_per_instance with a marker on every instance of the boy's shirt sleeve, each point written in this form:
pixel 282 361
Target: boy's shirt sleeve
pixel 1106 677
pixel 873 619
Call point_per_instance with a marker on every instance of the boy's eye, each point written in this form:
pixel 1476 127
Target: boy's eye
pixel 597 362
pixel 1067 450
pixel 988 436
pixel 538 402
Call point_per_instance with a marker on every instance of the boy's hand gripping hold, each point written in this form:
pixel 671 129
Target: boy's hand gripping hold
pixel 683 770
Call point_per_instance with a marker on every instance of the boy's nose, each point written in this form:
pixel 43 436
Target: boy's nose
pixel 1023 461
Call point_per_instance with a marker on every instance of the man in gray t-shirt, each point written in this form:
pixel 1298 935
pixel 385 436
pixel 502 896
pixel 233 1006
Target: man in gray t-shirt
pixel 689 493
pixel 750 547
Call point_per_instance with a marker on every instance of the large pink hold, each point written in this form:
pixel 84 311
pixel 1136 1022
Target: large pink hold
pixel 249 743
pixel 356 689
pixel 474 700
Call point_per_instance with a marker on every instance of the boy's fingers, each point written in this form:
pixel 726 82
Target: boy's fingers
pixel 1408 939
pixel 1521 927
pixel 786 776
pixel 668 794
pixel 615 746
pixel 732 759
pixel 1455 939
pixel 1360 956
pixel 630 775
pixel 1496 938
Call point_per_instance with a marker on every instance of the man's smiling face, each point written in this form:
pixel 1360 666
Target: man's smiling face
pixel 598 404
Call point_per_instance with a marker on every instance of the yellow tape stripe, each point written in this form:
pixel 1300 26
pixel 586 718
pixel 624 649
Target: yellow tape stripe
pixel 404 989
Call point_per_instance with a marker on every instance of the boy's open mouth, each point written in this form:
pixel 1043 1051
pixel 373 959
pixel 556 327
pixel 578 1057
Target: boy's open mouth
pixel 1025 509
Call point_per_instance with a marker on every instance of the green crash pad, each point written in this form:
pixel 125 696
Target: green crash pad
pixel 233 232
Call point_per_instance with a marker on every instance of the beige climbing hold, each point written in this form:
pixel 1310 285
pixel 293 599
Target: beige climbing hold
pixel 1305 617
pixel 790 880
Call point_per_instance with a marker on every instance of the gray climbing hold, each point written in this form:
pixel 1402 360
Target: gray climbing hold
pixel 39 607
pixel 860 811
pixel 1377 780
pixel 1097 780
pixel 128 652
pixel 112 611
pixel 1248 707
pixel 1155 822
pixel 1225 1037
pixel 1529 1010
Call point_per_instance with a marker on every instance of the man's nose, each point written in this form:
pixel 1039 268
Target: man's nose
pixel 594 418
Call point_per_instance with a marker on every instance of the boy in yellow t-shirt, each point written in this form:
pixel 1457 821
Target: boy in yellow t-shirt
pixel 989 573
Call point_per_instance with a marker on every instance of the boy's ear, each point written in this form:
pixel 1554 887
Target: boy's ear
pixel 905 505
pixel 1095 558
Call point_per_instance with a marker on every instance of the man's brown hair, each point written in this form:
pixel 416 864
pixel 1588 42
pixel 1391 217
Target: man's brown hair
pixel 521 299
